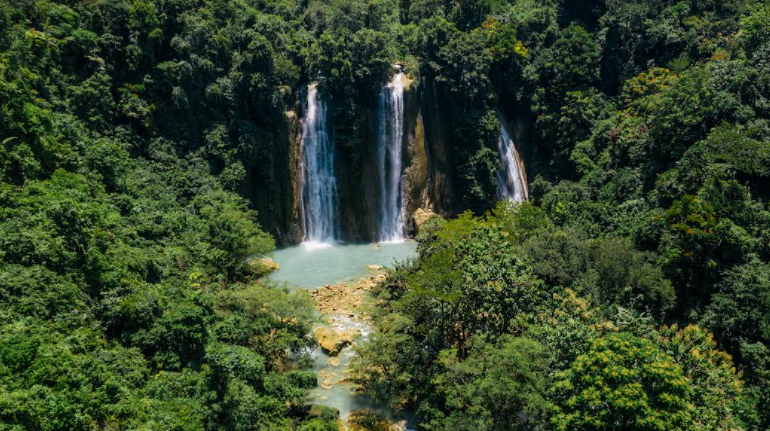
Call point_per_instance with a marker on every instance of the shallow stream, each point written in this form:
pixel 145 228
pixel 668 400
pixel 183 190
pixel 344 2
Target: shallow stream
pixel 310 266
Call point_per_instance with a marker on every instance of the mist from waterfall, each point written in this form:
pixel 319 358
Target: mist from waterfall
pixel 510 179
pixel 390 137
pixel 319 184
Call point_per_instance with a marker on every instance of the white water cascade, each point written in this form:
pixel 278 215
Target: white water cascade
pixel 390 136
pixel 319 185
pixel 511 184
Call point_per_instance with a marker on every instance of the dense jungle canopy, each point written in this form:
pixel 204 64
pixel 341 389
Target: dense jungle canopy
pixel 146 154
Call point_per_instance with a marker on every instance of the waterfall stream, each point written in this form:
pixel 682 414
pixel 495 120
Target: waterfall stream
pixel 510 179
pixel 390 143
pixel 319 184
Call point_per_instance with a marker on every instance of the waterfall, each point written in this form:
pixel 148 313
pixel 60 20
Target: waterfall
pixel 392 218
pixel 510 179
pixel 319 185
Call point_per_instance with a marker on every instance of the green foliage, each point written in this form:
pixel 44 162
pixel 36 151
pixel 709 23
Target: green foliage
pixel 754 27
pixel 466 286
pixel 739 310
pixel 497 387
pixel 510 322
pixel 611 270
pixel 127 297
pixel 232 232
pixel 716 385
pixel 623 382
pixel 644 127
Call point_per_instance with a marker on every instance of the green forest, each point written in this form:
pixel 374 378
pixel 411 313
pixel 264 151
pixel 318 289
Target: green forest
pixel 146 153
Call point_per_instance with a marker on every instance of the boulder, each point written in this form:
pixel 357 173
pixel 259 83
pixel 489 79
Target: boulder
pixel 332 340
pixel 270 264
pixel 374 267
pixel 421 216
pixel 264 266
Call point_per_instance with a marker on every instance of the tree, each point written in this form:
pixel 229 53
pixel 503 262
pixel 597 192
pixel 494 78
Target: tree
pixel 623 382
pixel 232 232
pixel 497 387
pixel 711 373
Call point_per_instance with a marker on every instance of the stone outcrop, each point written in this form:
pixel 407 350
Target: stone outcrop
pixel 268 264
pixel 421 216
pixel 262 267
pixel 429 160
pixel 416 175
pixel 333 340
pixel 439 144
pixel 356 162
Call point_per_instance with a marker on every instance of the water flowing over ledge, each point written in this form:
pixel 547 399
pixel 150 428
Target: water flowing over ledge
pixel 510 179
pixel 390 145
pixel 317 176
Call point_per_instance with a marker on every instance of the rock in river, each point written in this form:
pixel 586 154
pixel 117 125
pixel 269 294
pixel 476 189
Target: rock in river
pixel 333 340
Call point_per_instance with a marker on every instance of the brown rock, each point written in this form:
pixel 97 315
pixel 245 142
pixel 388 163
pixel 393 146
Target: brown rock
pixel 421 216
pixel 332 340
pixel 263 266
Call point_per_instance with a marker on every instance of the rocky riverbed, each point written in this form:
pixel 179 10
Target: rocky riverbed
pixel 346 323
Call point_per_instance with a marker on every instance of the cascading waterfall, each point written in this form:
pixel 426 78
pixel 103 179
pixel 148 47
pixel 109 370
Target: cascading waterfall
pixel 319 185
pixel 392 219
pixel 511 184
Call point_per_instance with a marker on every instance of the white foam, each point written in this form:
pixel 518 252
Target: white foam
pixel 316 245
pixel 393 241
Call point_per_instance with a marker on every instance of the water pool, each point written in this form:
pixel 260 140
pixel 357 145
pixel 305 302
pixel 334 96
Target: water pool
pixel 311 265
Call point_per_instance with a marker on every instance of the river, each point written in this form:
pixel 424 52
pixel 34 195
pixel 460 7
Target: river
pixel 310 266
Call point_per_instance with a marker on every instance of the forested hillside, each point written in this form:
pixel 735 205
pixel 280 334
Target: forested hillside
pixel 148 159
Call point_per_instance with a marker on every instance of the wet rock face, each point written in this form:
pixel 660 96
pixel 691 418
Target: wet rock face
pixel 269 183
pixel 354 128
pixel 440 155
pixel 416 175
